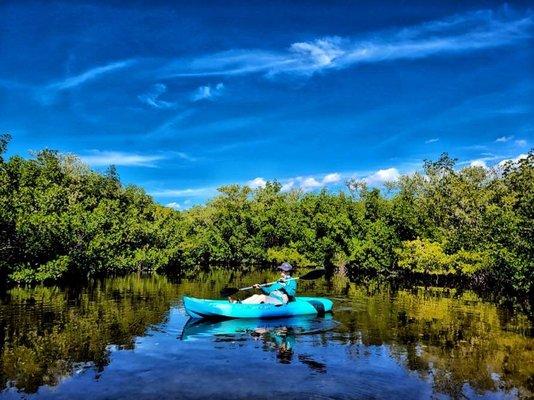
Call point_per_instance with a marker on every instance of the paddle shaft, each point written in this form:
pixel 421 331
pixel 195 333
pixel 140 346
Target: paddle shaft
pixel 269 284
pixel 309 276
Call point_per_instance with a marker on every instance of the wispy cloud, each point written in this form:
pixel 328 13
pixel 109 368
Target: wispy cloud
pixel 504 139
pixel 183 156
pixel 455 35
pixel 221 126
pixel 521 143
pixel 434 140
pixel 512 160
pixel 47 94
pixel 208 92
pixel 190 192
pixel 152 97
pixel 170 126
pixel 97 158
pixel 88 75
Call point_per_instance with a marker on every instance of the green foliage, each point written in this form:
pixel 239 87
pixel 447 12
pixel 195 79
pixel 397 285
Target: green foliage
pixel 375 251
pixel 53 270
pixel 59 219
pixel 4 141
pixel 426 257
pixel 423 256
pixel 286 254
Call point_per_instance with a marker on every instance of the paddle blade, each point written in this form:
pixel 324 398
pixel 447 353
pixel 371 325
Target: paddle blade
pixel 315 274
pixel 229 291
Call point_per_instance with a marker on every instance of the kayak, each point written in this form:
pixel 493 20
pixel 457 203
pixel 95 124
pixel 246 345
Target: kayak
pixel 223 309
pixel 197 329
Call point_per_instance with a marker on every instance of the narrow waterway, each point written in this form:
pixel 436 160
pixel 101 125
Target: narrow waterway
pixel 130 338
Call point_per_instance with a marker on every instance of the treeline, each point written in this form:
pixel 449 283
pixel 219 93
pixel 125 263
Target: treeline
pixel 59 219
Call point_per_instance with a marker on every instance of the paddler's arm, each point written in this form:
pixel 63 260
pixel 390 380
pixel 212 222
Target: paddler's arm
pixel 271 288
pixel 290 287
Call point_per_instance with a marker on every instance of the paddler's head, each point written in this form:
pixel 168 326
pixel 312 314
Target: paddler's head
pixel 285 269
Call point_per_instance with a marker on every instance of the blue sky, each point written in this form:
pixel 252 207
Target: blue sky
pixel 185 97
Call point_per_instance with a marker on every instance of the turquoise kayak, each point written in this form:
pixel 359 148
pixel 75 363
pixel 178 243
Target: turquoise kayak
pixel 223 309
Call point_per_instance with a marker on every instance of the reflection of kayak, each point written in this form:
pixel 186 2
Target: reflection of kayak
pixel 301 325
pixel 217 309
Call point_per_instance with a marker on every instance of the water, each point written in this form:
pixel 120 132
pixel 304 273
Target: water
pixel 129 338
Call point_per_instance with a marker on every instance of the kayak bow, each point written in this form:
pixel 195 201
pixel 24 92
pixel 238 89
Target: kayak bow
pixel 223 309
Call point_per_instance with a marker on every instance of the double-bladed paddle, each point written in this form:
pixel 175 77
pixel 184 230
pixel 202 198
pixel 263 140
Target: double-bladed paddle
pixel 315 274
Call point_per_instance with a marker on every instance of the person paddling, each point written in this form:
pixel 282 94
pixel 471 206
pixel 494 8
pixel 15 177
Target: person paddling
pixel 278 293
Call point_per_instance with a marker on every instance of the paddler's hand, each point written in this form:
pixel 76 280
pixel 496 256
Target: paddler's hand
pixel 256 286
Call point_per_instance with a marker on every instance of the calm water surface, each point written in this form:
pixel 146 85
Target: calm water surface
pixel 129 338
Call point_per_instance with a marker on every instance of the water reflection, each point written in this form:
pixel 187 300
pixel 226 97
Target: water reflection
pixel 276 335
pixel 49 333
pixel 120 337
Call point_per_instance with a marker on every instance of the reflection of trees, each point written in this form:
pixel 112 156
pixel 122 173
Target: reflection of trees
pixel 48 332
pixel 450 338
pixel 447 335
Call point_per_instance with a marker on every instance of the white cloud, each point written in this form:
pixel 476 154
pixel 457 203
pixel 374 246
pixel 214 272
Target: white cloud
pixel 478 163
pixel 152 97
pixel 208 92
pixel 99 158
pixel 305 183
pixel 521 143
pixel 382 176
pixel 47 94
pixel 513 160
pixel 88 75
pixel 434 140
pixel 318 54
pixel 331 178
pixel 463 33
pixel 309 183
pixel 257 183
pixel 287 186
pixel 504 139
pixel 174 205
